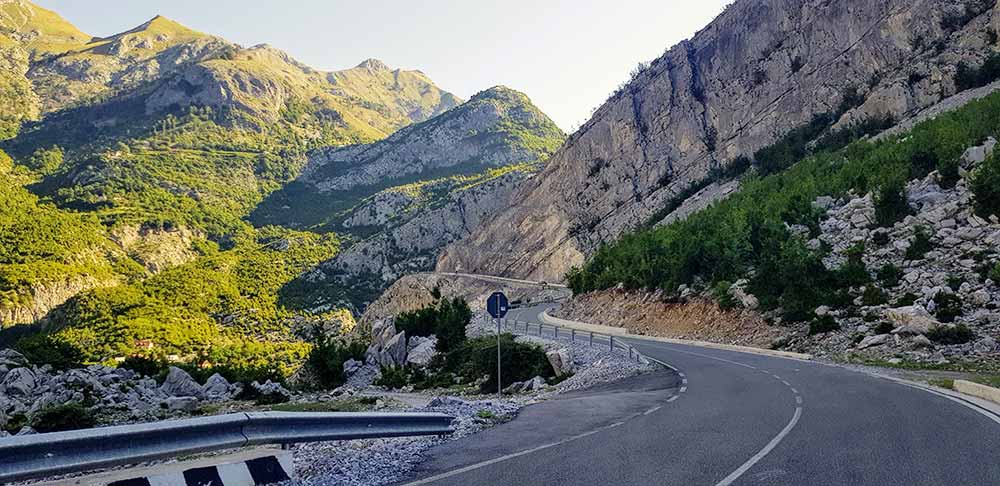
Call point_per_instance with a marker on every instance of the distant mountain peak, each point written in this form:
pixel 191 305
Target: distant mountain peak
pixel 374 65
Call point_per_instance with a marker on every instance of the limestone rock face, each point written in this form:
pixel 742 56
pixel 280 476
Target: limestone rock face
pixel 758 71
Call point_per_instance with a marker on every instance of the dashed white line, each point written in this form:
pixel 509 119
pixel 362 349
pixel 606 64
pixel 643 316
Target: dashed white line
pixel 683 389
pixel 672 398
pixel 798 399
pixel 647 412
pixel 763 452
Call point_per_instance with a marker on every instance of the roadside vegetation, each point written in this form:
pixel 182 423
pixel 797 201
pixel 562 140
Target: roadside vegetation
pixel 748 233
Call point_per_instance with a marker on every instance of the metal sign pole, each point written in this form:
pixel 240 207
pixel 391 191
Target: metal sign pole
pixel 499 383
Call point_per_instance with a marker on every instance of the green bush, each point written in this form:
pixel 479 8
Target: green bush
pixel 920 245
pixel 874 296
pixel 45 349
pixel 446 319
pixel 881 238
pixel 968 77
pixel 994 273
pixel 477 358
pixel 891 205
pixel 907 299
pixel 823 324
pixel 59 418
pixel 327 358
pixel 948 173
pixel 884 328
pixel 720 291
pixel 949 306
pixel 393 377
pixel 959 334
pixel 145 366
pixel 985 187
pixel 955 282
pixel 889 275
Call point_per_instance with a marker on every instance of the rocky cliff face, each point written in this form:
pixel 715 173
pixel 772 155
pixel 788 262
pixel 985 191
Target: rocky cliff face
pixel 758 71
pixel 495 128
pixel 444 177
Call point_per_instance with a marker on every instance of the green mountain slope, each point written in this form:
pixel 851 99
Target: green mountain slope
pixel 498 127
pixel 145 151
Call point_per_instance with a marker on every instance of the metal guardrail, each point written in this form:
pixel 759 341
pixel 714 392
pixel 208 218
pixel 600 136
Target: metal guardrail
pixel 572 335
pixel 44 455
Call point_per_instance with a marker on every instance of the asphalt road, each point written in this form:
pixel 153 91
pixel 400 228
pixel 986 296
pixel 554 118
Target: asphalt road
pixel 731 418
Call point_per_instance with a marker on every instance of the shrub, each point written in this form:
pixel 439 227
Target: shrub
pixel 906 299
pixel 881 238
pixel 985 187
pixel 891 205
pixel 45 349
pixel 823 324
pixel 889 275
pixel 955 282
pixel 959 334
pixel 446 319
pixel 146 366
pixel 994 273
pixel 58 418
pixel 720 291
pixel 393 377
pixel 884 327
pixel 854 272
pixel 920 245
pixel 477 358
pixel 874 296
pixel 968 77
pixel 948 174
pixel 949 306
pixel 327 358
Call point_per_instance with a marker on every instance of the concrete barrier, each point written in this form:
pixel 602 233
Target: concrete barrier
pixel 619 331
pixel 978 390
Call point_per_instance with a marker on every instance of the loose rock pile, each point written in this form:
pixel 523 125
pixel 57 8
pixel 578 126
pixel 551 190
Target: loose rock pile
pixel 116 395
pixel 962 245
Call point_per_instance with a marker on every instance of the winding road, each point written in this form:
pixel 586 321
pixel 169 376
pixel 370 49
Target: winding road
pixel 715 417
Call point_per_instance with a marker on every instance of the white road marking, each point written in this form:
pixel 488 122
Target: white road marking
pixel 507 457
pixel 795 391
pixel 684 381
pixel 763 452
pixel 647 412
pixel 683 389
pixel 786 383
pixel 672 398
pixel 798 399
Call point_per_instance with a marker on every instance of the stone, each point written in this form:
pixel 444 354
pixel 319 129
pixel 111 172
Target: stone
pixel 746 299
pixel 390 354
pixel 976 155
pixel 980 298
pixel 180 384
pixel 985 345
pixel 535 384
pixel 274 392
pixel 921 341
pixel 561 361
pixel 19 382
pixel 422 353
pixel 26 430
pixel 217 387
pixel 12 359
pixel 914 316
pixel 822 310
pixel 181 404
pixel 876 340
pixel 351 366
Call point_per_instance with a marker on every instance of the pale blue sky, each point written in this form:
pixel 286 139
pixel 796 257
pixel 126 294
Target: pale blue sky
pixel 567 55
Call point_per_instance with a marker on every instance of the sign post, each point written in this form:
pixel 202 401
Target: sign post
pixel 497 306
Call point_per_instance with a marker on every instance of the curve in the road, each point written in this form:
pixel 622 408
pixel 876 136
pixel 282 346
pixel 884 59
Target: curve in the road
pixel 742 419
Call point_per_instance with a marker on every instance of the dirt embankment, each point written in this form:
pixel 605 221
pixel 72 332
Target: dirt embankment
pixel 647 313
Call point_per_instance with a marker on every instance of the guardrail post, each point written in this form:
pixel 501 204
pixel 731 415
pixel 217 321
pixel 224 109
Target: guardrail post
pixel 612 341
pixel 591 338
pixel 572 335
pixel 630 352
pixel 556 333
pixel 539 329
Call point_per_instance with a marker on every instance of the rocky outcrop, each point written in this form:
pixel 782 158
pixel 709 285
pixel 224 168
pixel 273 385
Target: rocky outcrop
pixel 115 394
pixel 470 136
pixel 758 71
pixel 466 163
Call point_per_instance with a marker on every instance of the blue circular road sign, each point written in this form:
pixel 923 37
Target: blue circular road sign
pixel 497 305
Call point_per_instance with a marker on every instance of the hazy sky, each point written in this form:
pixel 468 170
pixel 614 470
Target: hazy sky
pixel 567 55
